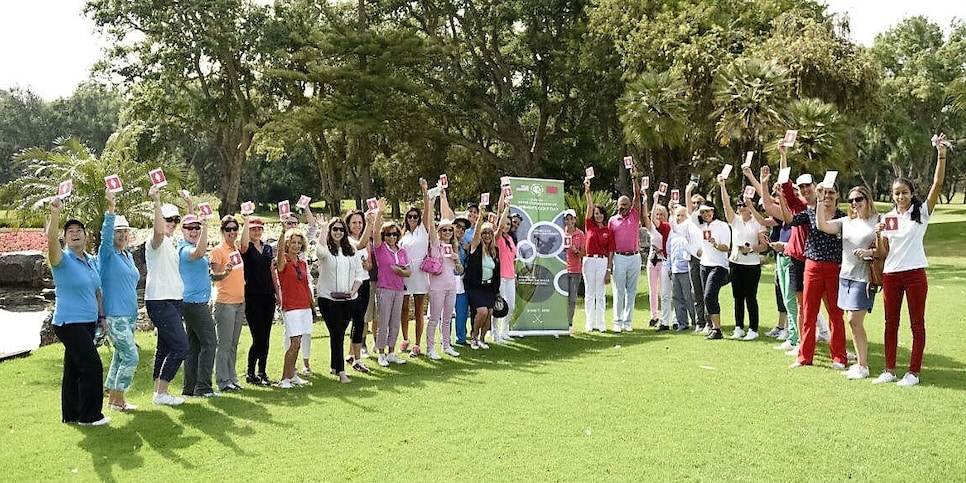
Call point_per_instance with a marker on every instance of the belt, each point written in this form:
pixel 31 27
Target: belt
pixel 627 254
pixel 596 256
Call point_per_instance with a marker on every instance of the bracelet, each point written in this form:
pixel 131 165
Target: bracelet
pixel 101 318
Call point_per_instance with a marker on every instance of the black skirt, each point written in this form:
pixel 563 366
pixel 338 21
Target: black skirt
pixel 483 296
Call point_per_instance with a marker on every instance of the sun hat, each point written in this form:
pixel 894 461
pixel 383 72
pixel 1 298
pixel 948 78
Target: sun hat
pixel 120 223
pixel 804 179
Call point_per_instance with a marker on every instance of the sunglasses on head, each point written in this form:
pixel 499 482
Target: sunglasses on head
pixel 857 199
pixel 446 230
pixel 173 219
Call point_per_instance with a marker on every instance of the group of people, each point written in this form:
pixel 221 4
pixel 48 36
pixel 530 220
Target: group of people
pixel 372 272
pixel 823 255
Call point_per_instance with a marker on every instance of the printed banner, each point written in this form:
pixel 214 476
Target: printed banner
pixel 541 295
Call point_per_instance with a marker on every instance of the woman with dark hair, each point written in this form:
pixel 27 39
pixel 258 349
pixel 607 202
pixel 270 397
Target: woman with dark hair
pixel 229 304
pixel 598 262
pixel 394 266
pixel 415 240
pixel 900 236
pixel 340 276
pixel 359 234
pixel 296 301
pixel 119 281
pixel 482 279
pixel 261 289
pixel 855 297
pixel 747 243
pixel 715 246
pixel 77 287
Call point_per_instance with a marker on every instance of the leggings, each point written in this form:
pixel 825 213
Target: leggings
pixel 441 307
pixel 744 288
pixel 361 304
pixel 915 286
pixel 260 312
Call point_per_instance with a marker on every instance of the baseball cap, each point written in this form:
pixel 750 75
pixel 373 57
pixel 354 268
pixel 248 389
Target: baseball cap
pixel 570 212
pixel 804 179
pixel 190 220
pixel 168 210
pixel 253 222
pixel 706 208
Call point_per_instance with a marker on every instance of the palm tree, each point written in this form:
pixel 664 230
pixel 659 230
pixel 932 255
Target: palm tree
pixel 822 143
pixel 654 110
pixel 749 95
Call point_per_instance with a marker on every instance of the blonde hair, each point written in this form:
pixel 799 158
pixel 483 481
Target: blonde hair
pixel 870 210
pixel 295 232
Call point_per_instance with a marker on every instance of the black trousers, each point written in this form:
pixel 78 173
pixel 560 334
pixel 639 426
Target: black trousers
pixel 744 288
pixel 337 314
pixel 81 396
pixel 260 312
pixel 359 305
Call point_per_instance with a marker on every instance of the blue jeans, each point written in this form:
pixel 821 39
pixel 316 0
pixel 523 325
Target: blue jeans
pixel 120 330
pixel 713 279
pixel 462 315
pixel 172 339
pixel 627 271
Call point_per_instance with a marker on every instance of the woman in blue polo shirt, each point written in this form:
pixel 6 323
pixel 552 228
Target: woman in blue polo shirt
pixel 76 286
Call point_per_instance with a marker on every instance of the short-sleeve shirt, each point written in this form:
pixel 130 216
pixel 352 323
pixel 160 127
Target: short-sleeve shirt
pixel 119 274
pixel 819 246
pixel 711 256
pixel 624 229
pixel 905 243
pixel 507 251
pixel 744 233
pixel 163 281
pixel 386 258
pixel 231 289
pixel 195 274
pixel 856 234
pixel 795 247
pixel 574 262
pixel 599 239
pixel 294 281
pixel 76 281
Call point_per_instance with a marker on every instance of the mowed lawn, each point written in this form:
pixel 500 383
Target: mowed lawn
pixel 644 406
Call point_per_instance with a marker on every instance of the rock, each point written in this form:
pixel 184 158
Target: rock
pixel 26 269
pixel 48 293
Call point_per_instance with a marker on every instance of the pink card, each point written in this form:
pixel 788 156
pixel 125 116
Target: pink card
pixel 568 241
pixel 303 202
pixel 235 259
pixel 484 199
pixel 749 192
pixel 284 208
pixel 589 172
pixel 662 188
pixel 492 218
pixel 645 182
pixel 113 183
pixel 504 181
pixel 675 195
pixel 891 223
pixel 628 162
pixel 707 234
pixel 65 188
pixel 247 208
pixel 443 181
pixel 205 209
pixel 507 193
pixel 748 157
pixel 157 178
pixel 372 204
pixel 789 139
pixel 448 250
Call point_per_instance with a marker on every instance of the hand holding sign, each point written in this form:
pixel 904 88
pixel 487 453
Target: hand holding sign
pixel 235 260
pixel 748 157
pixel 749 192
pixel 629 162
pixel 829 181
pixel 891 223
pixel 675 195
pixel 784 174
pixel 589 173
pixel 504 181
pixel 284 208
pixel 507 193
pixel 443 181
pixel 372 204
pixel 726 170
pixel 662 189
pixel 204 208
pixel 303 202
pixel 65 188
pixel 645 182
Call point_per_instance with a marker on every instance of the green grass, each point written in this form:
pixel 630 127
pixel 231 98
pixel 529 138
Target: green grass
pixel 629 407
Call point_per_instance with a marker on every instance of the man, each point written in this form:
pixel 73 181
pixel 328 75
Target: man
pixel 627 257
pixel 693 235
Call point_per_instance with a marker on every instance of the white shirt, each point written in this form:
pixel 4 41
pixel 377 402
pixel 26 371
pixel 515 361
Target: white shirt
pixel 856 233
pixel 744 234
pixel 337 273
pixel 362 255
pixel 905 243
pixel 711 256
pixel 163 281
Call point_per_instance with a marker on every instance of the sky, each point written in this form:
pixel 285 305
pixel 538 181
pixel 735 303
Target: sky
pixel 49 46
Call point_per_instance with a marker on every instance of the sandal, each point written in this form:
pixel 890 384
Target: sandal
pixel 359 366
pixel 122 407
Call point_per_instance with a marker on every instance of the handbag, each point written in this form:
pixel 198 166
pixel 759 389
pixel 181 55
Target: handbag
pixel 431 265
pixel 876 265
pixel 500 307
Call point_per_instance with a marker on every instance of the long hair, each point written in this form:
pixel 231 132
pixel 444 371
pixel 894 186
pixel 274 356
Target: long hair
pixel 870 211
pixel 489 248
pixel 351 214
pixel 603 211
pixel 916 208
pixel 344 244
pixel 406 220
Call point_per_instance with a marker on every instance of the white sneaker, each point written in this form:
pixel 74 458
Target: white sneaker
pixel 165 399
pixel 850 355
pixel 298 381
pixel 588 328
pixel 498 339
pixel 908 380
pixel 99 422
pixel 784 346
pixel 451 352
pixel 738 333
pixel 364 353
pixel 617 329
pixel 433 355
pixel 751 335
pixel 392 357
pixel 382 361
pixel 884 378
pixel 792 352
pixel 628 328
pixel 857 372
pixel 707 329
pixel 773 332
pixel 783 335
pixel 474 344
pixel 838 366
pixel 285 384
pixel 483 345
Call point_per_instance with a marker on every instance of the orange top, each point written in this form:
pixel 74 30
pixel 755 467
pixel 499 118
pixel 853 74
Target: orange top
pixel 231 289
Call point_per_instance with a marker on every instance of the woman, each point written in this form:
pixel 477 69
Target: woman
pixel 119 297
pixel 442 287
pixel 575 253
pixel 823 260
pixel 658 278
pixel 506 246
pixel 200 327
pixel 855 297
pixel 715 246
pixel 905 267
pixel 598 262
pixel 747 243
pixel 340 276
pixel 76 288
pixel 359 234
pixel 229 303
pixel 394 266
pixel 261 289
pixel 296 301
pixel 415 241
pixel 482 280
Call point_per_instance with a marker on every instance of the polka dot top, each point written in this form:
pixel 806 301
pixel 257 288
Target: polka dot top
pixel 820 246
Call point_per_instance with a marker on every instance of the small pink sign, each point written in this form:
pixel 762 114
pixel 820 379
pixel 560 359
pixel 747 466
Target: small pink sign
pixel 891 223
pixel 205 209
pixel 749 192
pixel 372 204
pixel 235 259
pixel 303 202
pixel 629 162
pixel 568 241
pixel 247 208
pixel 65 188
pixel 113 183
pixel 662 188
pixel 484 199
pixel 443 181
pixel 589 172
pixel 789 139
pixel 157 178
pixel 645 182
pixel 675 195
pixel 284 208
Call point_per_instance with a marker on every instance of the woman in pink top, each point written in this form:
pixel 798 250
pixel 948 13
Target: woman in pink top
pixel 393 266
pixel 900 236
pixel 507 249
pixel 442 287
pixel 574 245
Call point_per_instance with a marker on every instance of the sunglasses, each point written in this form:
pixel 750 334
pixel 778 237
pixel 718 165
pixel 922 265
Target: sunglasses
pixel 298 272
pixel 412 216
pixel 229 229
pixel 192 228
pixel 857 199
pixel 446 230
pixel 394 233
pixel 291 223
pixel 337 228
pixel 173 219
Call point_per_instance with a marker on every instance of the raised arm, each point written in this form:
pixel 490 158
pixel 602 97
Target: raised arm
pixel 427 206
pixel 760 219
pixel 159 223
pixel 688 191
pixel 475 242
pixel 444 209
pixel 322 247
pixel 54 253
pixel 939 175
pixel 589 199
pixel 107 228
pixel 202 247
pixel 725 200
pixel 375 217
pixel 636 187
pixel 821 218
pixel 246 237
pixel 280 259
pixel 750 175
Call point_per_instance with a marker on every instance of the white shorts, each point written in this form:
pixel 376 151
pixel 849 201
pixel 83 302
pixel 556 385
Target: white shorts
pixel 297 322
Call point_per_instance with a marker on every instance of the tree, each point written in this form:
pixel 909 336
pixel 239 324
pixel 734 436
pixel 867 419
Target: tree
pixel 654 111
pixel 749 95
pixel 192 66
